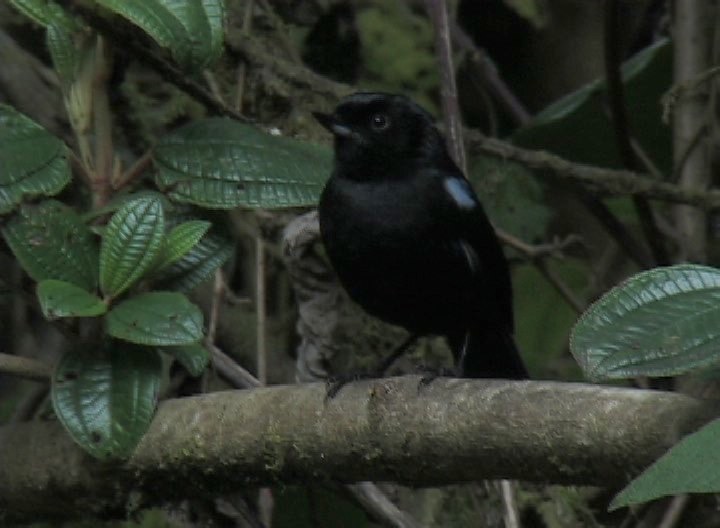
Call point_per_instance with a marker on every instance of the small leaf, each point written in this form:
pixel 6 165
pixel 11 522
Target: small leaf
pixel 156 318
pixel 661 322
pixel 194 357
pixel 198 264
pixel 51 242
pixel 180 241
pixel 220 163
pixel 33 162
pixel 63 299
pixel 132 239
pixel 106 398
pixel 691 466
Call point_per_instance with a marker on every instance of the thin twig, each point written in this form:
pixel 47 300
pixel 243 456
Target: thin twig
pixel 448 90
pixel 261 309
pixel 490 75
pixel 135 171
pixel 538 251
pixel 24 367
pixel 511 516
pixel 604 182
pixel 674 512
pixel 563 289
pixel 621 126
pixel 217 298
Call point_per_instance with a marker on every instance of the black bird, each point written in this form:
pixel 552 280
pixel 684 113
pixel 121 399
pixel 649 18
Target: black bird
pixel 408 237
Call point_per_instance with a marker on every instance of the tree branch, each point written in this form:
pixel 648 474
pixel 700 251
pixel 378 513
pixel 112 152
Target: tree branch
pixel 454 430
pixel 24 367
pixel 605 182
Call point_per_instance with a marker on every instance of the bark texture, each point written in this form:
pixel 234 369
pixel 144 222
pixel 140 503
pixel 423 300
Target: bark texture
pixel 449 431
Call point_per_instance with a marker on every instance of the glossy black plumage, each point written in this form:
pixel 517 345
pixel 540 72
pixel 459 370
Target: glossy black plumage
pixel 408 237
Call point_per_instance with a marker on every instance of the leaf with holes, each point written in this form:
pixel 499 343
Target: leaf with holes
pixel 181 239
pixel 33 162
pixel 106 398
pixel 220 163
pixel 131 241
pixel 51 242
pixel 192 29
pixel 156 318
pixel 198 264
pixel 691 466
pixel 194 357
pixel 63 299
pixel 661 322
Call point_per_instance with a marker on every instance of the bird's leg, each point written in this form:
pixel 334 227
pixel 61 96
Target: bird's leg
pixel 336 383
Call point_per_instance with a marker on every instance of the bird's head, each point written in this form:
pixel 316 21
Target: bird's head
pixel 377 134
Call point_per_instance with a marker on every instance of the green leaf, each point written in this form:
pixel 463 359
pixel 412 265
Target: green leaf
pixel 33 162
pixel 220 163
pixel 51 242
pixel 132 239
pixel 156 318
pixel 181 240
pixel 198 264
pixel 191 29
pixel 43 12
pixel 691 466
pixel 106 397
pixel 194 357
pixel 511 195
pixel 661 322
pixel 646 77
pixel 63 299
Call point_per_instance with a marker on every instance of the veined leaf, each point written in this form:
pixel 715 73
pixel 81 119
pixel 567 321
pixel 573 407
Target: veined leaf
pixel 132 239
pixel 661 322
pixel 51 242
pixel 191 29
pixel 220 163
pixel 198 264
pixel 106 398
pixel 156 318
pixel 33 162
pixel 64 299
pixel 181 239
pixel 43 12
pixel 194 357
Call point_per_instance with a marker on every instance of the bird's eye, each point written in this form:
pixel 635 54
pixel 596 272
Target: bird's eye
pixel 379 122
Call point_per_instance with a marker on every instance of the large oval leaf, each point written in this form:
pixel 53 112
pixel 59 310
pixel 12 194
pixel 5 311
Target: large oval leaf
pixel 220 163
pixel 63 299
pixel 192 29
pixel 106 398
pixel 33 162
pixel 51 242
pixel 156 318
pixel 692 466
pixel 661 322
pixel 131 242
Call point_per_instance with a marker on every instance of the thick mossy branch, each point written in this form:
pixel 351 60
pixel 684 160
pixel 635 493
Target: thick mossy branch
pixel 451 430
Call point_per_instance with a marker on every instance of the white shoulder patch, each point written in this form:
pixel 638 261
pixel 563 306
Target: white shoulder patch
pixel 460 192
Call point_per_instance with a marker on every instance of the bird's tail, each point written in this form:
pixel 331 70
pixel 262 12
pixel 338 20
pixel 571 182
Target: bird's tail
pixel 487 354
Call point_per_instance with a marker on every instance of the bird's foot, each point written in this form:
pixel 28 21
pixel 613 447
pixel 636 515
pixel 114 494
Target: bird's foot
pixel 430 374
pixel 334 384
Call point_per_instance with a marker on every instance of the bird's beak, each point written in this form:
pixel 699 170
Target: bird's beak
pixel 333 125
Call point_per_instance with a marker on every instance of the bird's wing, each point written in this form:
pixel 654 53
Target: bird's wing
pixel 464 222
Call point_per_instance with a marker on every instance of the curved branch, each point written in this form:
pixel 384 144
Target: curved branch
pixel 453 430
